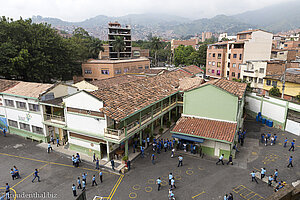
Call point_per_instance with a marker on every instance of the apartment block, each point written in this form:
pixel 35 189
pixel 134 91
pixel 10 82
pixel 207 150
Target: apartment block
pixel 114 30
pixel 216 59
pixel 177 43
pixel 250 45
pixel 101 69
pixel 206 35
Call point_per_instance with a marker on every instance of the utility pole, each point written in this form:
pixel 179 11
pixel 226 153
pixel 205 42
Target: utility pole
pixel 283 81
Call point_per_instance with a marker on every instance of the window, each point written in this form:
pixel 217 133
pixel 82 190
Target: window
pixel 118 71
pixel 251 79
pixel 274 83
pixel 260 80
pixel 281 53
pixel 212 71
pixel 234 55
pixel 239 75
pixel 209 55
pixel 208 70
pixel 9 103
pixel 209 63
pixel 140 67
pixel 105 71
pixel 219 56
pixel 229 56
pixel 125 70
pixel 213 63
pixel 21 105
pixel 233 74
pixel 227 73
pixel 255 80
pixel 34 107
pixel 285 45
pixel 233 65
pixel 13 123
pixel 218 64
pixel 214 55
pixel 298 45
pixel 240 66
pixel 24 126
pixel 36 129
pixel 218 72
pixel 146 67
pixel 240 57
pixel 261 70
pixel 87 71
pixel 268 82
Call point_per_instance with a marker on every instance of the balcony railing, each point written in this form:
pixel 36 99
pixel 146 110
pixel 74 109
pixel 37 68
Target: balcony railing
pixel 115 134
pixel 54 118
pixel 119 134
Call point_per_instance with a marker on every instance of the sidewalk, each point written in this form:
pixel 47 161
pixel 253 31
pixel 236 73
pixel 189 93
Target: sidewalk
pixel 84 158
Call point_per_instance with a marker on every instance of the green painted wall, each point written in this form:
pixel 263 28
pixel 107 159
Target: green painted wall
pixel 84 150
pixel 208 151
pixel 225 152
pixel 211 102
pixel 27 134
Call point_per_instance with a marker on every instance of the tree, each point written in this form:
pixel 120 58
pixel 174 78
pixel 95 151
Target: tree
pixel 35 52
pixel 95 47
pixel 274 91
pixel 118 45
pixel 155 45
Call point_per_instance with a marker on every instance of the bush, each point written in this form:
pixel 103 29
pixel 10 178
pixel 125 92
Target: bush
pixel 274 91
pixel 125 158
pixel 168 124
pixel 161 130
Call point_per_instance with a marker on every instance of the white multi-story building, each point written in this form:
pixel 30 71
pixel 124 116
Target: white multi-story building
pixel 22 111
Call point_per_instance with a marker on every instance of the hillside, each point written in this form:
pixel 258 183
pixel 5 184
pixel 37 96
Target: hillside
pixel 275 18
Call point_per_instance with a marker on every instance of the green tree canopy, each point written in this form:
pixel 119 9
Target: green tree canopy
pixel 274 91
pixel 35 52
pixel 119 45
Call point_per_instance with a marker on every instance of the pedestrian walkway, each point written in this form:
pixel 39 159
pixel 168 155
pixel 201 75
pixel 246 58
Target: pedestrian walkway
pixel 84 158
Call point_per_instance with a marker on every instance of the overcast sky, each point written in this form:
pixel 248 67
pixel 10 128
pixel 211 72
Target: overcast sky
pixel 79 10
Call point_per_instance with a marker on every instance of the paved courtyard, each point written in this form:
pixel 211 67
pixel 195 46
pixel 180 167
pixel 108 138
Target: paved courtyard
pixel 198 179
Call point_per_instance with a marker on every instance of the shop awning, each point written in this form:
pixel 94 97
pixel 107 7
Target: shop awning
pixel 189 138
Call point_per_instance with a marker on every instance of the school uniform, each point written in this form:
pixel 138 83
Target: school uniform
pixel 74 190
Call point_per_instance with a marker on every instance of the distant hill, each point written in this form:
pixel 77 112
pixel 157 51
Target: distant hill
pixel 219 23
pixel 275 18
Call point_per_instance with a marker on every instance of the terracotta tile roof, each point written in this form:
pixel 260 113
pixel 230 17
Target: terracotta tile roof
pixel 205 128
pixel 233 87
pixel 145 71
pixel 189 83
pixel 275 70
pixel 28 89
pixel 127 98
pixel 193 69
pixel 6 84
pixel 109 82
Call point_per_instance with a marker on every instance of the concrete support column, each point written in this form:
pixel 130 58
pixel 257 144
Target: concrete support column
pixel 126 147
pixel 141 138
pixel 126 141
pixel 107 146
pixel 152 128
pixel 161 121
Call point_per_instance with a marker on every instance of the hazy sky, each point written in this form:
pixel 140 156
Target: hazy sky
pixel 78 10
